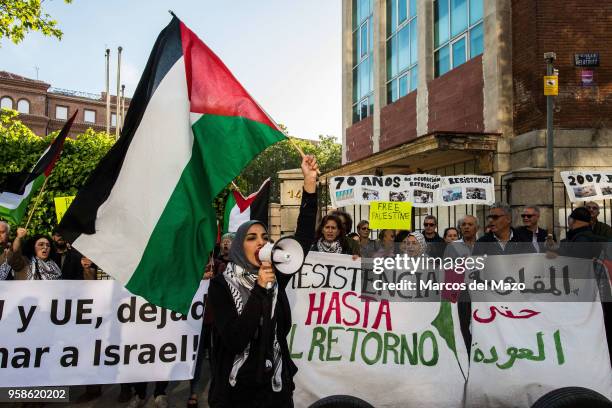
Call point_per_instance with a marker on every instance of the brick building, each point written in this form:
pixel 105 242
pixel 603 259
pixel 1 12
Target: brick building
pixel 44 109
pixel 456 86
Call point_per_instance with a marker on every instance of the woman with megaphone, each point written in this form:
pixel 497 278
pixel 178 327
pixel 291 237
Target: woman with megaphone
pixel 251 365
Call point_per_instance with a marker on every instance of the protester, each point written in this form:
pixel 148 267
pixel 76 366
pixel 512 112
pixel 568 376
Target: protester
pixel 6 272
pixel 386 243
pixel 582 242
pixel 223 258
pixel 252 366
pixel 599 228
pixel 347 223
pixel 367 245
pixel 468 225
pixel 330 237
pixel 430 229
pixel 416 244
pixel 451 234
pixel 530 229
pixel 507 239
pixel 72 264
pixel 35 261
pixel 488 226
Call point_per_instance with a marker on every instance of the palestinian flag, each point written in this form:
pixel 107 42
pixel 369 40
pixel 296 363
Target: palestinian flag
pixel 239 209
pixel 17 189
pixel 145 215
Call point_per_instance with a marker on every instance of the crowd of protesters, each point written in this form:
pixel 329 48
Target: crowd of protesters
pixel 42 257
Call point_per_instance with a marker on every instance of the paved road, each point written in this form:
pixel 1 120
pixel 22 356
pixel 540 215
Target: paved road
pixel 177 392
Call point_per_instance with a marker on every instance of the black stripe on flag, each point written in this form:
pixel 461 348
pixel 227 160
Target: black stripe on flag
pixel 259 207
pixel 81 215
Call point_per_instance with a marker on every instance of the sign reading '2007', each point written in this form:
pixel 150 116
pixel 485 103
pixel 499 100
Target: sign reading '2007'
pixel 587 185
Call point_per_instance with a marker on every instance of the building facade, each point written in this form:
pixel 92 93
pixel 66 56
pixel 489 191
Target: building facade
pixel 44 109
pixel 456 86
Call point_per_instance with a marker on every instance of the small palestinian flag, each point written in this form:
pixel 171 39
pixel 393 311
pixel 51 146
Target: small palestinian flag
pixel 239 209
pixel 17 189
pixel 146 214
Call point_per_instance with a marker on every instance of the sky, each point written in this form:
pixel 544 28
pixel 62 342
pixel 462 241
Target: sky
pixel 286 53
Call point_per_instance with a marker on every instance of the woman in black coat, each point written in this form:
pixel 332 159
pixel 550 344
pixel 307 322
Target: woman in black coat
pixel 251 365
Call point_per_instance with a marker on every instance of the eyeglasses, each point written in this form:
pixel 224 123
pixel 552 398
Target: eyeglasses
pixel 429 224
pixel 592 207
pixel 364 228
pixel 43 245
pixel 495 217
pixel 527 215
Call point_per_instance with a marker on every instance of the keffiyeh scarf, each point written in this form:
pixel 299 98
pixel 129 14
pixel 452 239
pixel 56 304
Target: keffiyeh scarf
pixel 240 283
pixel 333 247
pixel 43 270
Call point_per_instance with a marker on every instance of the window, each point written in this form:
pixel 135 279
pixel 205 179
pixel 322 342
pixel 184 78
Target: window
pixel 89 116
pixel 363 77
pixel 61 112
pixel 6 103
pixel 458 33
pixel 23 106
pixel 402 52
pixel 113 119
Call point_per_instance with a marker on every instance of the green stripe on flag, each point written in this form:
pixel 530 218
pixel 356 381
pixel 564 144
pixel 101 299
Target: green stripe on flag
pixel 15 215
pixel 173 261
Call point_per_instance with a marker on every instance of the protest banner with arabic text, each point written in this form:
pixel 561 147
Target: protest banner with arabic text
pixel 540 338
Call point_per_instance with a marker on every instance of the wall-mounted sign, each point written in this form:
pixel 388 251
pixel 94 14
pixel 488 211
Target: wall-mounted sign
pixel 587 59
pixel 586 75
pixel 551 85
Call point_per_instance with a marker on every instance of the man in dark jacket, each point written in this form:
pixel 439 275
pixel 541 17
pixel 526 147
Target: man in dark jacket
pixel 508 240
pixel 530 230
pixel 73 265
pixel 599 228
pixel 582 242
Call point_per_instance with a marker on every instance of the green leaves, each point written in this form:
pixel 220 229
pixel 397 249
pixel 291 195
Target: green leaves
pixel 18 17
pixel 20 148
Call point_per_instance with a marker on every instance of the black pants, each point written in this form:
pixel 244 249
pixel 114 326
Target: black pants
pixel 141 389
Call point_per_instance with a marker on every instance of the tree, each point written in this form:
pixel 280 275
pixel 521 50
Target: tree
pixel 18 17
pixel 20 148
pixel 283 156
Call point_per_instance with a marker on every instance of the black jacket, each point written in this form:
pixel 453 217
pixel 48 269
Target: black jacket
pixel 518 244
pixel 71 266
pixel 232 333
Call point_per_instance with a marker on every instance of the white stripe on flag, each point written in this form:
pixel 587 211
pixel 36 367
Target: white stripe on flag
pixel 12 200
pixel 158 153
pixel 237 218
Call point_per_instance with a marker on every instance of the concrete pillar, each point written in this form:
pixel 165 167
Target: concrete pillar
pixel 379 24
pixel 426 66
pixel 347 71
pixel 291 188
pixel 531 186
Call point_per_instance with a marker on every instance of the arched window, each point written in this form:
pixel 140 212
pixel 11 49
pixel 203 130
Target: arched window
pixel 23 106
pixel 6 102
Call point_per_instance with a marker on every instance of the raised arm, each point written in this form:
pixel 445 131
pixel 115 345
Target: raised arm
pixel 305 231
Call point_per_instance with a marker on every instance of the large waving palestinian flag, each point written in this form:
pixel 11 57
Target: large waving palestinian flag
pixel 240 209
pixel 17 189
pixel 145 215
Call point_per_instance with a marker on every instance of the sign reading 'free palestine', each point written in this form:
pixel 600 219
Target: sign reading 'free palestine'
pixel 391 215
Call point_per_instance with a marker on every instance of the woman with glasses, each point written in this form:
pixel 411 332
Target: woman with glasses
pixel 35 262
pixel 368 245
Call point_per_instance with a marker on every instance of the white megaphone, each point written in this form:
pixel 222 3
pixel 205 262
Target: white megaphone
pixel 286 255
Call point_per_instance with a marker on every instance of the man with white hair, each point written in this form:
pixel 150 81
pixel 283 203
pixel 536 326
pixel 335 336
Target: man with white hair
pixel 6 272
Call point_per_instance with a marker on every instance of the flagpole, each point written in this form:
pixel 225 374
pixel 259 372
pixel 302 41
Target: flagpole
pixel 37 201
pixel 300 151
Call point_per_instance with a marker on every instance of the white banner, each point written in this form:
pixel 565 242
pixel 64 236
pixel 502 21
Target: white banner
pixel 587 185
pixel 389 353
pixel 423 190
pixel 92 332
pixel 522 350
